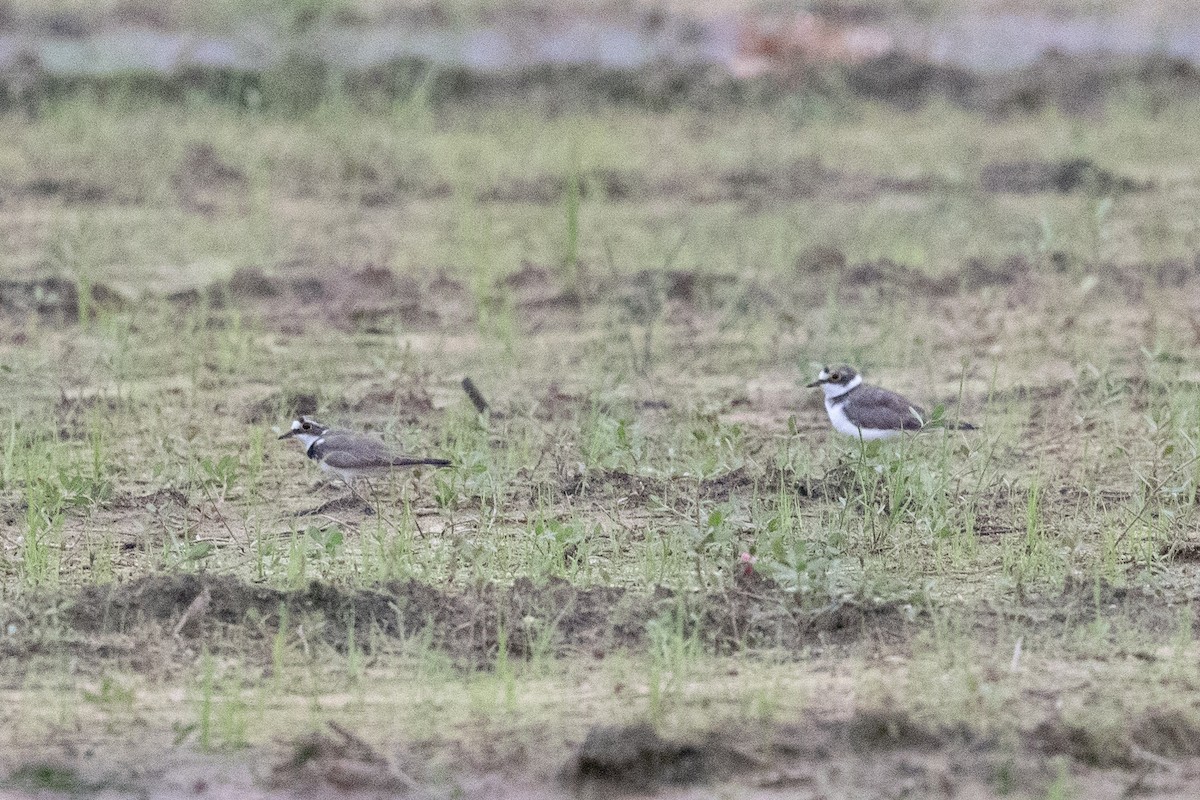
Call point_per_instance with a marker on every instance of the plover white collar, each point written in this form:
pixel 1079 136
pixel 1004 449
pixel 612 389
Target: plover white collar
pixel 350 456
pixel 869 412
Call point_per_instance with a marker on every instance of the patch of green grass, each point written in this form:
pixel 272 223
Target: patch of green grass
pixel 48 777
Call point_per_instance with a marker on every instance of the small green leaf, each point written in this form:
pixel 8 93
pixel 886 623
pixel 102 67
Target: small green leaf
pixel 198 551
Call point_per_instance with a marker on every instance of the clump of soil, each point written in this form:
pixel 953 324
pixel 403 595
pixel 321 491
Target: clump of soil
pixel 57 299
pixel 370 298
pixel 1097 747
pixel 635 757
pixel 1154 734
pixel 886 272
pixel 535 287
pixel 820 258
pixel 202 167
pixel 250 283
pixel 341 761
pixel 1073 175
pixel 908 82
pixel 640 488
pixel 874 728
pixel 1185 550
pixel 71 191
pixel 280 405
pixel 539 189
pixel 1170 733
pixel 467 623
pixel 797 180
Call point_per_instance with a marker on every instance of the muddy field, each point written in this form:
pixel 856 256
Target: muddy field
pixel 653 567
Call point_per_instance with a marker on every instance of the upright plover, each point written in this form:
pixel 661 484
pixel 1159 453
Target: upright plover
pixel 868 412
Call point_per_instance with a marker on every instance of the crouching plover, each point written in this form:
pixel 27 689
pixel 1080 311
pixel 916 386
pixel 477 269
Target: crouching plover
pixel 859 409
pixel 351 456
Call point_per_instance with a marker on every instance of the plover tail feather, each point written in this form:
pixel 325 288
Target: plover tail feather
pixel 405 461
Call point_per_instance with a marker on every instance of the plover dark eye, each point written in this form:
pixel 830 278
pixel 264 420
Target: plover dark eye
pixel 306 426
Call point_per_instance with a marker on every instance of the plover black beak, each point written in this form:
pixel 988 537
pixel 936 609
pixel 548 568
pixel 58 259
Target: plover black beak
pixel 816 383
pixel 287 434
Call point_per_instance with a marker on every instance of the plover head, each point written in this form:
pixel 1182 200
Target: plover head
pixel 836 380
pixel 306 429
